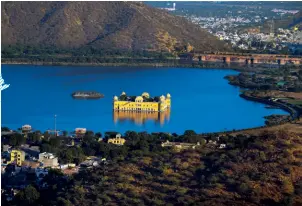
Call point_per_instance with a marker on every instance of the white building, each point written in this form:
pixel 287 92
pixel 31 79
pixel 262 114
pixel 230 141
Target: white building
pixel 26 128
pixel 80 130
pixel 48 159
pixel 222 146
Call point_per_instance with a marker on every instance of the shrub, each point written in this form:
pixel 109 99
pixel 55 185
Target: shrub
pixel 287 186
pixel 243 188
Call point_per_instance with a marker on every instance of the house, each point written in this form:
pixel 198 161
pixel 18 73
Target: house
pixel 26 128
pixel 48 159
pixel 180 145
pixel 6 148
pixel 89 164
pixel 80 130
pixel 67 166
pixel 212 142
pixel 17 156
pixel 117 140
pixel 222 146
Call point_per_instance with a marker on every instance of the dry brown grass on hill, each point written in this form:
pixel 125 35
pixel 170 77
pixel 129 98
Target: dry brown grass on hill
pixel 259 170
pixel 295 127
pixel 103 25
pixel 265 172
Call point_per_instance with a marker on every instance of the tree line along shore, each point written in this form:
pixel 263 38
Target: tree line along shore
pixel 89 56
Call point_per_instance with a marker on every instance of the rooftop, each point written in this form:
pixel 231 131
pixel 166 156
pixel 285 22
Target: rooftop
pixel 47 155
pixel 145 97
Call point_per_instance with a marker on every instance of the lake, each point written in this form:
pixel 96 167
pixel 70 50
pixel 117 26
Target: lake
pixel 201 99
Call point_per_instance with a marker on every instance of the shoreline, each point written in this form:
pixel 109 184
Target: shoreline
pixel 294 112
pixel 173 63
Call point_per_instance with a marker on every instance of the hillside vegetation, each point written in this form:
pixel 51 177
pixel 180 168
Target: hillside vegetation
pixel 252 170
pixel 101 25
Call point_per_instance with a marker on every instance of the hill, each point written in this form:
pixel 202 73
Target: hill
pixel 252 170
pixel 101 25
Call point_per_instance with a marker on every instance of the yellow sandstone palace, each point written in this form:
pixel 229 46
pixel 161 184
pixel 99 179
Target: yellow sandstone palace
pixel 141 103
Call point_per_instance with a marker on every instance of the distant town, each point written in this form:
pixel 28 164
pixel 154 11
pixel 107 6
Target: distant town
pixel 253 39
pixel 242 28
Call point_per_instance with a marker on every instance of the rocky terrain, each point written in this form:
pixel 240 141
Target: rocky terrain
pixel 101 25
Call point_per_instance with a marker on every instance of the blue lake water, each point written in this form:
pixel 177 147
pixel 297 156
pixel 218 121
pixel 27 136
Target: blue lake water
pixel 202 100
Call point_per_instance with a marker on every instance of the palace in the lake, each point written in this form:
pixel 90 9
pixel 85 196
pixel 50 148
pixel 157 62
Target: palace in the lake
pixel 141 103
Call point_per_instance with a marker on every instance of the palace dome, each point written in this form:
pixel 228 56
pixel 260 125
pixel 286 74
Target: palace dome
pixel 168 95
pixel 115 98
pixel 146 94
pixel 123 93
pixel 139 99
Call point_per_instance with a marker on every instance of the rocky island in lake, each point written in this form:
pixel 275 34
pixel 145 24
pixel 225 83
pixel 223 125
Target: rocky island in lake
pixel 87 95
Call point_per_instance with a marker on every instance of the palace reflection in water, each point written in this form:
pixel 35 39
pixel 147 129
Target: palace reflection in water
pixel 139 118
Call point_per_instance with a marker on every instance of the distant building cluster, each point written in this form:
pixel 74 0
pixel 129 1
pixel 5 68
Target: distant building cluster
pixel 25 160
pixel 227 29
pixel 17 163
pixel 283 11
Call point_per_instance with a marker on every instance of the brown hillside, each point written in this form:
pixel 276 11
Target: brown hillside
pixel 122 25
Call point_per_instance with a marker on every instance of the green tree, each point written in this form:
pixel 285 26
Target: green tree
pixel 90 133
pixel 131 135
pixel 5 129
pixel 143 145
pixel 16 140
pixel 189 133
pixel 98 134
pixel 12 140
pixel 46 148
pixel 54 142
pixel 243 188
pixel 46 135
pixel 262 156
pixel 28 196
pixel 34 137
pixel 287 201
pixel 288 187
